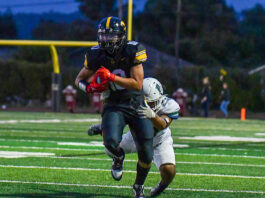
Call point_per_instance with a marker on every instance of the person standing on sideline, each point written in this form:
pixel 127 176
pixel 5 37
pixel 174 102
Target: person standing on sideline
pixel 206 96
pixel 70 98
pixel 225 99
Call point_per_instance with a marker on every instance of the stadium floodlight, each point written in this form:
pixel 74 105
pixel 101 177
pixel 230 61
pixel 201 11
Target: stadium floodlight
pixel 56 76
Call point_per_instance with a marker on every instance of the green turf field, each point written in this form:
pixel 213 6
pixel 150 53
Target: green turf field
pixel 50 155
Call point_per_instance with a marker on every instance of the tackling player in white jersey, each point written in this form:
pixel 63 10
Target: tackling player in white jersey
pixel 162 111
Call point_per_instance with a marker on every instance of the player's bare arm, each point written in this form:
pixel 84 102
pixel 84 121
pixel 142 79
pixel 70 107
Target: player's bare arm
pixel 135 82
pixel 84 74
pixel 161 122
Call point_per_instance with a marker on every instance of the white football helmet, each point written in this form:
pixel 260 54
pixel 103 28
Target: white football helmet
pixel 153 91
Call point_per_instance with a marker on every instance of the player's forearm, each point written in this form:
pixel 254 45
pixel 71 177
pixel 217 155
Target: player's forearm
pixel 84 74
pixel 159 122
pixel 129 83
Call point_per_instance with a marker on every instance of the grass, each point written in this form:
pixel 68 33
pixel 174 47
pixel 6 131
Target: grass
pixel 204 168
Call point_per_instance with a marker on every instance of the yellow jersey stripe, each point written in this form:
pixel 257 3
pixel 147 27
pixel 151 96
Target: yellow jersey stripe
pixel 143 56
pixel 141 52
pixel 108 22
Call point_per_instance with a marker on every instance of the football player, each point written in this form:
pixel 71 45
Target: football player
pixel 117 63
pixel 161 110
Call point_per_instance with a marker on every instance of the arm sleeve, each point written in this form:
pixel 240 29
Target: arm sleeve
pixel 140 55
pixel 171 109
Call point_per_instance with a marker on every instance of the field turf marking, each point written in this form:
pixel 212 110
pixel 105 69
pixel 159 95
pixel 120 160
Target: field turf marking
pixel 50 148
pixel 49 121
pixel 217 155
pixel 230 149
pixel 260 134
pixel 15 154
pixel 193 154
pixel 177 162
pixel 130 171
pixel 129 187
pixel 224 138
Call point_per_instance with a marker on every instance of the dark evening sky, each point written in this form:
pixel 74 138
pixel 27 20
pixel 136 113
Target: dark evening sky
pixel 68 6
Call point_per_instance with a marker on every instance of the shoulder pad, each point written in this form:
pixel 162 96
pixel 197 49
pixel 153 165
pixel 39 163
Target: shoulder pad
pixel 137 52
pixel 91 56
pixel 170 108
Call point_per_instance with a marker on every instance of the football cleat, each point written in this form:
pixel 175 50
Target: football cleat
pixel 157 190
pixel 117 166
pixel 138 191
pixel 94 130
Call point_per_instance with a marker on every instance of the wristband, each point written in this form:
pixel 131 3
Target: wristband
pixel 82 85
pixel 167 122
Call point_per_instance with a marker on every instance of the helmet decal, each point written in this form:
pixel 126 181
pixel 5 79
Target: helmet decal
pixel 123 25
pixel 159 89
pixel 108 22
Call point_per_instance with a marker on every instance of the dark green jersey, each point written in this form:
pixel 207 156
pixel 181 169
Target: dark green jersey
pixel 131 55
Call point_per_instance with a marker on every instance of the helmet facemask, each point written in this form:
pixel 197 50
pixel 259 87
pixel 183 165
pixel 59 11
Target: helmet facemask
pixel 155 105
pixel 111 42
pixel 153 91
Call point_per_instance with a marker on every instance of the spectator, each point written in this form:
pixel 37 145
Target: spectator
pixel 70 98
pixel 225 99
pixel 206 96
pixel 180 97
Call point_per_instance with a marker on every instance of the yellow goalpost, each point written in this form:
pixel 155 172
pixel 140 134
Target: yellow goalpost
pixel 56 78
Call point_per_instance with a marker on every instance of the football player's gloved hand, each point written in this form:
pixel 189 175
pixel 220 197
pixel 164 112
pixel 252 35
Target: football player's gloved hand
pixel 99 83
pixel 96 85
pixel 104 73
pixel 146 111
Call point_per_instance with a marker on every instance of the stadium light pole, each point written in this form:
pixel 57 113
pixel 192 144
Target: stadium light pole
pixel 178 31
pixel 130 16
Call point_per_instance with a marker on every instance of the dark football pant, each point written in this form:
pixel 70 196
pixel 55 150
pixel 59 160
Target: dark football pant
pixel 115 118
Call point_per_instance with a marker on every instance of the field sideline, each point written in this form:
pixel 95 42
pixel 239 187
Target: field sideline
pixel 50 155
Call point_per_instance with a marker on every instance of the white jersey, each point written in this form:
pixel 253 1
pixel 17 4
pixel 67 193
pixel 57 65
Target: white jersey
pixel 170 108
pixel 162 142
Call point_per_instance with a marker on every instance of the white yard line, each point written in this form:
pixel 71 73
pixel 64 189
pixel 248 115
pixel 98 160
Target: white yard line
pixel 49 121
pixel 89 144
pixel 221 164
pixel 177 162
pixel 217 155
pixel 230 149
pixel 130 171
pixel 14 154
pixel 50 148
pixel 193 154
pixel 260 134
pixel 224 138
pixel 129 187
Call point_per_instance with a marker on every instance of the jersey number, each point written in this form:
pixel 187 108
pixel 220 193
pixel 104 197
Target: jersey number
pixel 113 85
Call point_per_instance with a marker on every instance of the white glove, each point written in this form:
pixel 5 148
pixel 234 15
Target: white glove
pixel 146 111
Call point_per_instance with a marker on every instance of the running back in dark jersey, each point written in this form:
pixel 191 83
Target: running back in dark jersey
pixel 131 55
